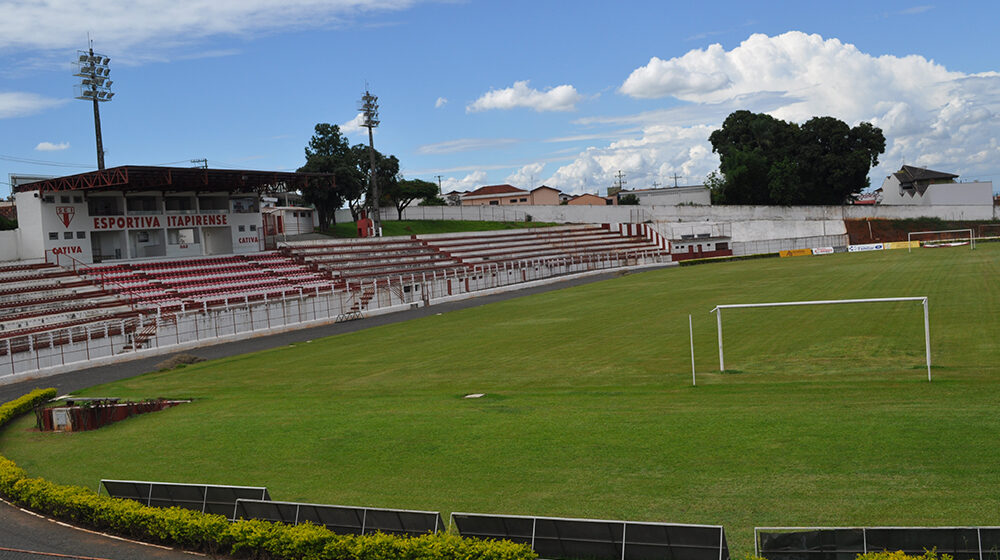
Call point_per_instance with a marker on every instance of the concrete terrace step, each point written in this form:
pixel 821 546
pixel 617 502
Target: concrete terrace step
pixel 553 249
pixel 577 241
pixel 521 235
pixel 375 261
pixel 49 321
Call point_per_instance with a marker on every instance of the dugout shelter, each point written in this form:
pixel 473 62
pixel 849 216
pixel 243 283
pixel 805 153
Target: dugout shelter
pixel 135 212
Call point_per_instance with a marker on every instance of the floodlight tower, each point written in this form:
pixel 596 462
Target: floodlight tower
pixel 369 108
pixel 95 86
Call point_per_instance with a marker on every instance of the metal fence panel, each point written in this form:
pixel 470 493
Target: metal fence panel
pixel 594 539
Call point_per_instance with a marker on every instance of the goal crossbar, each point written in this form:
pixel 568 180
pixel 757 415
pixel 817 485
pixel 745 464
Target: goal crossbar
pixel 923 300
pixel 909 237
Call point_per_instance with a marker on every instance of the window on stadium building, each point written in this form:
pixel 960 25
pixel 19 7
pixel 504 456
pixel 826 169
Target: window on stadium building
pixel 183 236
pixel 104 206
pixel 180 204
pixel 245 205
pixel 142 205
pixel 213 204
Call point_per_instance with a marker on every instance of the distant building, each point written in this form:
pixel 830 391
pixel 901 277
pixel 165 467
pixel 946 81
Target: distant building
pixel 925 187
pixel 289 220
pixel 454 198
pixel 672 196
pixel 506 195
pixel 593 200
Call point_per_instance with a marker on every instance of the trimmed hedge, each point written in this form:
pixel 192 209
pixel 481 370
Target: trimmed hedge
pixel 214 534
pixel 900 555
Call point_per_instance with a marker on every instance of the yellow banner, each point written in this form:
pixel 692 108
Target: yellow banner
pixel 796 253
pixel 902 244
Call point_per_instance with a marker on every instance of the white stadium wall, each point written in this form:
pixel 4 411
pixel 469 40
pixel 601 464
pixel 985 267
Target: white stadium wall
pixel 10 242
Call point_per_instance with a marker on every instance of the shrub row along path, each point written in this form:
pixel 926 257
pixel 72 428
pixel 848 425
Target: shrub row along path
pixel 25 536
pixel 27 532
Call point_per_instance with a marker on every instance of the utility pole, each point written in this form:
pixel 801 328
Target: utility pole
pixel 440 191
pixel 369 108
pixel 95 86
pixel 202 163
pixel 620 183
pixel 655 184
pixel 675 177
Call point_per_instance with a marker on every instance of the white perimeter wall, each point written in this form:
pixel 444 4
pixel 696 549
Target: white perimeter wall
pixel 742 223
pixel 10 242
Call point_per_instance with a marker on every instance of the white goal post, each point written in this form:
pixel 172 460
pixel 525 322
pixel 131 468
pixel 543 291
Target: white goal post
pixel 909 237
pixel 927 329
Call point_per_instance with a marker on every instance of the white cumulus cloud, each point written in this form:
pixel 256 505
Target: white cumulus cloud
pixel 470 182
pixel 20 104
pixel 441 102
pixel 353 126
pixel 559 98
pixel 931 116
pixel 528 176
pixel 51 147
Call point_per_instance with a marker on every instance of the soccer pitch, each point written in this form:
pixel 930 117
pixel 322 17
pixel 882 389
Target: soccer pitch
pixel 825 417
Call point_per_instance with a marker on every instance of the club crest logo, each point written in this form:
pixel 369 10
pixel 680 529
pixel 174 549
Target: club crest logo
pixel 65 214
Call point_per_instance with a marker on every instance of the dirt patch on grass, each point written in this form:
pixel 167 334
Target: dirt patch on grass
pixel 178 360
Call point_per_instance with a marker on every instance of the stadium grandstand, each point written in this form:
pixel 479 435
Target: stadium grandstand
pixel 139 258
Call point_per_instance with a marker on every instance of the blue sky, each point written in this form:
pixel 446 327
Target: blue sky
pixel 528 93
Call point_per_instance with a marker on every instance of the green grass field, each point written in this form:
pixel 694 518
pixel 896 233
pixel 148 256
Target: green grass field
pixel 828 418
pixel 419 227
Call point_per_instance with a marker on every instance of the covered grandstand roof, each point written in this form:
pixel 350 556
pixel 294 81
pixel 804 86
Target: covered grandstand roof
pixel 148 178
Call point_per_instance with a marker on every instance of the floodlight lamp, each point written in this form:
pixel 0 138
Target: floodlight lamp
pixel 107 71
pixel 85 81
pixel 108 83
pixel 107 60
pixel 110 95
pixel 83 58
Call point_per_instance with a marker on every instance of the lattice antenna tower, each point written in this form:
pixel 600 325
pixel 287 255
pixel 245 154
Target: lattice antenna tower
pixel 95 86
pixel 369 110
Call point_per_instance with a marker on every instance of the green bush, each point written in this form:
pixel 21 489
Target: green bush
pixel 214 533
pixel 900 555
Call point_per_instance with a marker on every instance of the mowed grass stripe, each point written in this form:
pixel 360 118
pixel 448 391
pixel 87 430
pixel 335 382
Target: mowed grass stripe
pixel 589 410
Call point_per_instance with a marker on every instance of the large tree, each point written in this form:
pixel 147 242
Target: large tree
pixel 764 160
pixel 405 191
pixel 329 152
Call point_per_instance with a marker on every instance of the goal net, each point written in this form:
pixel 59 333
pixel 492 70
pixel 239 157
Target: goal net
pixel 941 238
pixel 792 326
pixel 988 231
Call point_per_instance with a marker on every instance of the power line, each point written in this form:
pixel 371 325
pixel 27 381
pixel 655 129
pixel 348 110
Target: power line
pixel 44 162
